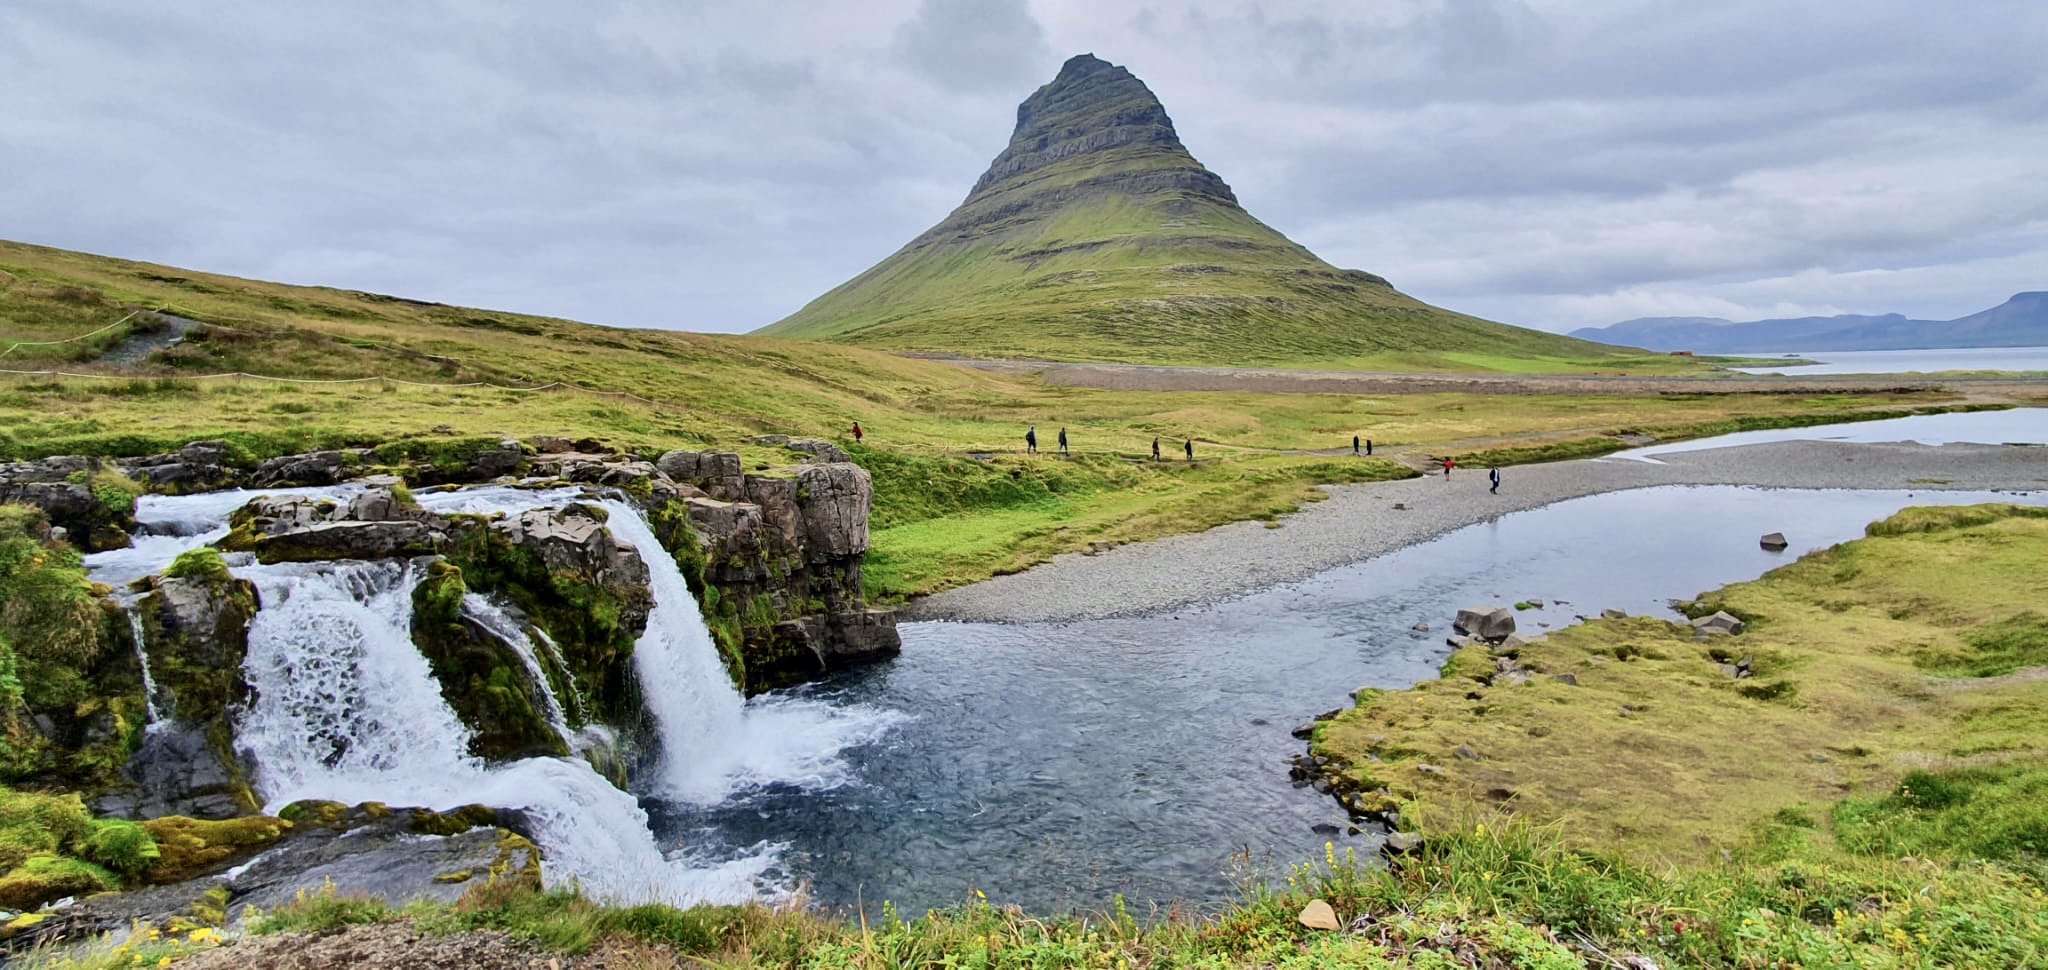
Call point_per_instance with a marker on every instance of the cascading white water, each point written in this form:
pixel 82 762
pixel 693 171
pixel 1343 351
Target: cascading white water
pixel 513 634
pixel 148 679
pixel 547 643
pixel 347 709
pixel 713 741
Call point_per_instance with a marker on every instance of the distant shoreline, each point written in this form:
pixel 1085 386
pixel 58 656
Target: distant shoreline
pixel 1360 522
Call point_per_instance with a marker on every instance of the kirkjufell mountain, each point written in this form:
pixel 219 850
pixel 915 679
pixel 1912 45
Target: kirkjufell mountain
pixel 1096 235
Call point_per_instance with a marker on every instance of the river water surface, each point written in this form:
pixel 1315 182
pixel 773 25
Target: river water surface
pixel 1056 766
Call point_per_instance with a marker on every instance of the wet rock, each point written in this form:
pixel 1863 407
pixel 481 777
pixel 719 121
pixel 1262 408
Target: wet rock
pixel 392 854
pixel 1510 644
pixel 352 540
pixel 572 541
pixel 312 468
pixel 1420 627
pixel 1459 643
pixel 1485 622
pixel 178 771
pixel 1466 752
pixel 1402 843
pixel 1721 623
pixel 1304 731
pixel 1773 541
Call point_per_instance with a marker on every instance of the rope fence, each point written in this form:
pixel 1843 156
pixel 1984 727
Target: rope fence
pixel 17 345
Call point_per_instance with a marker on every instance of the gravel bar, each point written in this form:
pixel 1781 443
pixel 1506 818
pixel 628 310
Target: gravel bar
pixel 1358 522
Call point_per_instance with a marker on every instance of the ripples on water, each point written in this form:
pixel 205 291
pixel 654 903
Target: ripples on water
pixel 1056 765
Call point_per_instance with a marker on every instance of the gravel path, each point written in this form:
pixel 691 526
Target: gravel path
pixel 1360 521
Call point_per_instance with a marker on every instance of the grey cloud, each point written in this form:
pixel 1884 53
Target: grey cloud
pixel 715 166
pixel 978 45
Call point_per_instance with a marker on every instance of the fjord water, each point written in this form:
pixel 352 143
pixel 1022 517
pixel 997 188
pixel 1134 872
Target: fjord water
pixel 1932 361
pixel 1055 766
pixel 2011 426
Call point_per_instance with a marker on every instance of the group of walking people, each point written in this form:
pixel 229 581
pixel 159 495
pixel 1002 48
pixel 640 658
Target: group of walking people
pixel 1031 444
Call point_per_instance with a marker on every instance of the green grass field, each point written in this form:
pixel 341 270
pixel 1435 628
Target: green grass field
pixel 401 364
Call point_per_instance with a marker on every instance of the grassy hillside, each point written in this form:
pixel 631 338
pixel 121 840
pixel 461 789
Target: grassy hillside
pixel 1096 236
pixel 936 432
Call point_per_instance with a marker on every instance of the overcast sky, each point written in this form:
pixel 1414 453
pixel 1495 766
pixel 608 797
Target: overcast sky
pixel 713 166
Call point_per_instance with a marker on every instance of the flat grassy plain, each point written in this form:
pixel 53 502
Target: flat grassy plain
pixel 956 501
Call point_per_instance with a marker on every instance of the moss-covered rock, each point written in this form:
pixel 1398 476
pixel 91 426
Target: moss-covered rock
pixel 191 847
pixel 566 573
pixel 483 680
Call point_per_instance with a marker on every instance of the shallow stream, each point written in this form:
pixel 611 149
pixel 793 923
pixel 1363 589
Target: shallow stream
pixel 1055 766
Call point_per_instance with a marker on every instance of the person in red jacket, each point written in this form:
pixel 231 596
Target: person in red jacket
pixel 1449 462
pixel 856 432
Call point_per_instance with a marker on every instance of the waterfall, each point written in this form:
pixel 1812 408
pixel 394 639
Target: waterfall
pixel 142 658
pixel 547 643
pixel 514 634
pixel 347 709
pixel 713 742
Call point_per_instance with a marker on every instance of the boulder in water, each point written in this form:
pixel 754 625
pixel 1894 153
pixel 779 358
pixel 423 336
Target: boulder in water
pixel 1774 542
pixel 1485 622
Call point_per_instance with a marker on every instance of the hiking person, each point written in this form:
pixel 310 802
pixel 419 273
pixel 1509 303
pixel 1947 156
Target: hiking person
pixel 1448 463
pixel 1493 474
pixel 1155 449
pixel 1191 449
pixel 1063 441
pixel 1368 447
pixel 1031 441
pixel 856 432
pixel 1354 446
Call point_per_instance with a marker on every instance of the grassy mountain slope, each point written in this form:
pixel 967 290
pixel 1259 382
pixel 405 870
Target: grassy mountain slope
pixel 1096 236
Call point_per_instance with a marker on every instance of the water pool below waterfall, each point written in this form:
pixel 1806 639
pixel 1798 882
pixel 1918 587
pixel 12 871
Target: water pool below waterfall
pixel 1055 766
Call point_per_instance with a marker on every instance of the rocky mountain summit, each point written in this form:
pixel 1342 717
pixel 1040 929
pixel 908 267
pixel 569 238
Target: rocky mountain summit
pixel 1096 235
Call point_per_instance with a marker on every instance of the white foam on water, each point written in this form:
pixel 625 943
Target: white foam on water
pixel 348 710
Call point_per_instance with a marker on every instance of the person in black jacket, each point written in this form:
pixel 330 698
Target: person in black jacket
pixel 1031 441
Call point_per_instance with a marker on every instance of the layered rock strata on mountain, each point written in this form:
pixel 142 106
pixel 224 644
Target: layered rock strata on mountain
pixel 1096 235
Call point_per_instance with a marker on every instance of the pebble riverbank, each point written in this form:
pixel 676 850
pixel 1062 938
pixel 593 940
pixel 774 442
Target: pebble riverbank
pixel 1359 522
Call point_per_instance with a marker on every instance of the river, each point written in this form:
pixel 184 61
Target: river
pixel 1056 766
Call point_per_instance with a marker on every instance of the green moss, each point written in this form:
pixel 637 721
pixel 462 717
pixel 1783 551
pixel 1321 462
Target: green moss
pixel 487 686
pixel 453 822
pixel 203 563
pixel 45 877
pixel 191 847
pixel 315 812
pixel 583 619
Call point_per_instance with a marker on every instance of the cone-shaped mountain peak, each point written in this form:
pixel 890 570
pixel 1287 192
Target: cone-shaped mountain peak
pixel 1096 235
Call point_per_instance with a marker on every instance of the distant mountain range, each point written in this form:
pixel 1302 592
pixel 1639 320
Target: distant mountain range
pixel 2019 322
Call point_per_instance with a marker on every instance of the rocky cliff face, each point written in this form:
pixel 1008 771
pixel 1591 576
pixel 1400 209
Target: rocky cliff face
pixel 781 564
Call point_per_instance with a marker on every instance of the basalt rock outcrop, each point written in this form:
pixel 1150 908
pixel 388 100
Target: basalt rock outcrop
pixel 780 567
